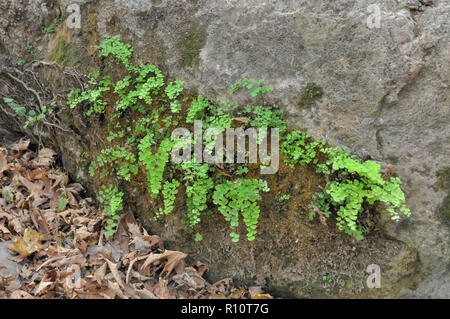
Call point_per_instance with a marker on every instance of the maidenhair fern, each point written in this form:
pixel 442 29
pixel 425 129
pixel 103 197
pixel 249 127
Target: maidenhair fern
pixel 351 183
pixel 141 109
pixel 240 198
pixel 112 200
pixel 169 192
pixel 198 188
pixel 154 163
pixel 198 106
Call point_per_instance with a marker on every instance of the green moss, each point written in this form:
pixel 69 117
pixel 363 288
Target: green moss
pixel 190 45
pixel 63 52
pixel 444 209
pixel 310 93
pixel 443 183
pixel 443 176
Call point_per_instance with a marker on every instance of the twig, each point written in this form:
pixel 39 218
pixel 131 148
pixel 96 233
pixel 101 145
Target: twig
pixel 7 113
pixel 38 63
pixel 322 218
pixel 57 126
pixel 26 88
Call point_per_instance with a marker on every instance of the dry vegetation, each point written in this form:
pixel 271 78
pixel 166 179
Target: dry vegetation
pixel 61 251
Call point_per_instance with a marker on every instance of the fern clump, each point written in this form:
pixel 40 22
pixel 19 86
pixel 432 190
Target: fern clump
pixel 112 200
pixel 142 108
pixel 197 109
pixel 352 185
pixel 116 159
pixel 299 149
pixel 240 198
pixel 113 46
pixel 154 163
pixel 255 87
pixel 169 192
pixel 198 188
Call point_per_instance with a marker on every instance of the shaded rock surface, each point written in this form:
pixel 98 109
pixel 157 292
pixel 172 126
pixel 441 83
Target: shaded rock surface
pixel 386 98
pixel 11 266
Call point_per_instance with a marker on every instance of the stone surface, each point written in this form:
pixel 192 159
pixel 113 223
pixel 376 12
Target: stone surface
pixel 11 266
pixel 386 97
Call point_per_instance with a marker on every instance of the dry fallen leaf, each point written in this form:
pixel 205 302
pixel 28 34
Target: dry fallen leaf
pixel 28 244
pixel 20 294
pixel 256 292
pixel 262 296
pixel 16 225
pixel 21 146
pixel 78 262
pixel 173 259
pixel 3 160
pixel 45 158
pixel 43 287
pixel 100 273
pixel 113 268
pixel 191 278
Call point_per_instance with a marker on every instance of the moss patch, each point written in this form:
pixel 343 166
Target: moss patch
pixel 190 45
pixel 443 176
pixel 444 209
pixel 63 52
pixel 310 93
pixel 443 183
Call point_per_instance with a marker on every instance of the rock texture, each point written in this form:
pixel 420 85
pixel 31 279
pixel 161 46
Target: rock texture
pixel 386 97
pixel 11 266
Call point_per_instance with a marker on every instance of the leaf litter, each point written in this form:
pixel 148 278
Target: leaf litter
pixel 62 253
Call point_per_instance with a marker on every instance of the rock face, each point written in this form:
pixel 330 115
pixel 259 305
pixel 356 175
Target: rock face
pixel 386 97
pixel 11 266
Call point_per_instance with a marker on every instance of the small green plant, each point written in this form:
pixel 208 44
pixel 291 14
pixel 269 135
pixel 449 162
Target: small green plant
pixel 198 188
pixel 120 51
pixel 254 86
pixel 51 28
pixel 154 163
pixel 197 109
pixel 240 198
pixel 198 237
pixel 32 116
pixel 173 90
pixel 149 107
pixel 112 200
pixel 92 96
pixel 299 148
pixel 31 49
pixel 351 183
pixel 19 110
pixel 62 203
pixel 119 159
pixel 327 278
pixel 266 117
pixel 242 170
pixel 169 192
pixel 22 62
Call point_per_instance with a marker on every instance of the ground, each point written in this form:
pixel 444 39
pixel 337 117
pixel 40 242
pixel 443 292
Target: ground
pixel 52 243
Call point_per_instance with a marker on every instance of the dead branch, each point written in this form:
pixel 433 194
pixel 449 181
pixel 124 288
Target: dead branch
pixel 26 88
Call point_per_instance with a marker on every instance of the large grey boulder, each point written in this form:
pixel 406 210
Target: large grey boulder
pixel 386 97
